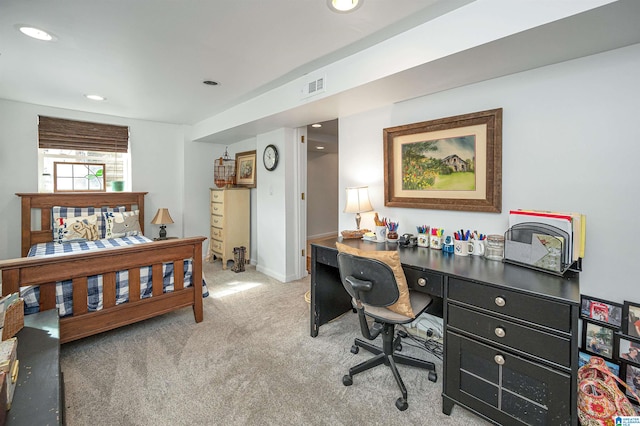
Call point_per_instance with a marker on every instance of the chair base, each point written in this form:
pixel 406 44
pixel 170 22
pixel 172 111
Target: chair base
pixel 388 356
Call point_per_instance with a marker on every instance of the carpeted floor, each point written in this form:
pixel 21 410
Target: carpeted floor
pixel 250 362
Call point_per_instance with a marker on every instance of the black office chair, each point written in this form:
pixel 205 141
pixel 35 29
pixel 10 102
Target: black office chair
pixel 373 286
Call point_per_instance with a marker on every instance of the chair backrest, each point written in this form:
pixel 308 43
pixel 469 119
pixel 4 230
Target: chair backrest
pixel 384 290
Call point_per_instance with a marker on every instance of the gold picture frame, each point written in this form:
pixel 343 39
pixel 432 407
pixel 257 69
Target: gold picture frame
pixel 452 163
pixel 246 169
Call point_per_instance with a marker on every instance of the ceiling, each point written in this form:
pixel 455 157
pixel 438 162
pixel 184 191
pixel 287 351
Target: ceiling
pixel 149 59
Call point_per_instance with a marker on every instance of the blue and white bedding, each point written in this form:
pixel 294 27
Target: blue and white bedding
pixel 64 292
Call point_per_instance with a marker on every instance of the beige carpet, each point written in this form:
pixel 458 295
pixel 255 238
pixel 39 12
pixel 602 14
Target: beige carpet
pixel 250 362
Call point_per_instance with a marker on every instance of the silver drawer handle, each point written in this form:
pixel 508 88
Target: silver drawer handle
pixel 500 332
pixel 500 301
pixel 422 282
pixel 499 359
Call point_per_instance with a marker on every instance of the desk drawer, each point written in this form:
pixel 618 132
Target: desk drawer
pixel 326 256
pixel 517 305
pixel 524 339
pixel 423 281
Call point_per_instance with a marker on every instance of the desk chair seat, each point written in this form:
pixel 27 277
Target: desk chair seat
pixel 372 286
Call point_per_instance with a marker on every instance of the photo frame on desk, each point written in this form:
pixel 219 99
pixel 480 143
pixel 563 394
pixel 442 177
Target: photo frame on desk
pixel 246 169
pixel 598 339
pixel 601 311
pixel 452 163
pixel 631 319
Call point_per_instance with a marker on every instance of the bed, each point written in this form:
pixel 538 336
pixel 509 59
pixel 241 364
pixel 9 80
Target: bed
pixel 152 288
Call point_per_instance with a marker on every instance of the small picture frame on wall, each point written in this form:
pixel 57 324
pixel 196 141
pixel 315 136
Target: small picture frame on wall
pixel 631 319
pixel 627 349
pixel 631 376
pixel 601 311
pixel 246 169
pixel 597 339
pixel 583 358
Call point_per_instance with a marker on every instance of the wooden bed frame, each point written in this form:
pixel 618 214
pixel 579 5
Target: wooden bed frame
pixel 46 271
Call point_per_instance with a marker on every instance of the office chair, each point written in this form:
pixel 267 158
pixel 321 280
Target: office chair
pixel 373 286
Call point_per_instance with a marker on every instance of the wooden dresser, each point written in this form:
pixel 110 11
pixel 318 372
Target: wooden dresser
pixel 230 222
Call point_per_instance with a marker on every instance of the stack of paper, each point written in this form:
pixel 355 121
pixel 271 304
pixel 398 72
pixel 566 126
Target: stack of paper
pixel 573 224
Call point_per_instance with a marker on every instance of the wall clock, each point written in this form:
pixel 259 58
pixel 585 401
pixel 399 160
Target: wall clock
pixel 270 157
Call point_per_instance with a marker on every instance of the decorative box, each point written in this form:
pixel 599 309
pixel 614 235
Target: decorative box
pixel 9 365
pixel 13 319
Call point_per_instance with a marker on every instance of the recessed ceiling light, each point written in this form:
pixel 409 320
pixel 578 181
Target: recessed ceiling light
pixel 316 125
pixel 95 97
pixel 320 147
pixel 36 33
pixel 211 83
pixel 344 6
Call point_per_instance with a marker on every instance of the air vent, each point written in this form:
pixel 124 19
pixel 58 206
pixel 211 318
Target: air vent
pixel 313 87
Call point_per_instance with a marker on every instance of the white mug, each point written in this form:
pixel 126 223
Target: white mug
pixel 423 240
pixel 477 248
pixel 435 242
pixel 462 247
pixel 381 234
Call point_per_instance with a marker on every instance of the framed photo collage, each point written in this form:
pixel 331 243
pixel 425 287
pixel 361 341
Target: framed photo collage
pixel 612 331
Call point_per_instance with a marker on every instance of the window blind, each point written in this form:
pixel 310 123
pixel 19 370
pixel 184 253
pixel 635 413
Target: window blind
pixel 58 133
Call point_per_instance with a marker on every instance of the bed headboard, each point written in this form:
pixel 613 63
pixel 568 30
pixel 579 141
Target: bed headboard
pixel 44 203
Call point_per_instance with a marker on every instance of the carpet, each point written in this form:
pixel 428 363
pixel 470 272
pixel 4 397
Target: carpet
pixel 250 362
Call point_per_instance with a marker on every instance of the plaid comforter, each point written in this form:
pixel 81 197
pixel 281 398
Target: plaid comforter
pixel 64 292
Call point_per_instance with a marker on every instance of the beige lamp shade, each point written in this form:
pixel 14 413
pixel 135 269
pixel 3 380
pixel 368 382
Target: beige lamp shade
pixel 162 217
pixel 358 202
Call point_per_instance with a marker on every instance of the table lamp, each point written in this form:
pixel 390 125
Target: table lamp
pixel 162 218
pixel 358 202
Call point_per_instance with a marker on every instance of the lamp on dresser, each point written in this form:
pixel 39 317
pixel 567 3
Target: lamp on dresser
pixel 162 218
pixel 357 202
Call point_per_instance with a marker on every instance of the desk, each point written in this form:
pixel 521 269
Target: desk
pixel 510 333
pixel 39 395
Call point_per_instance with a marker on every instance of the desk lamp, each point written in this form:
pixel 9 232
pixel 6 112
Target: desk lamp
pixel 162 218
pixel 358 202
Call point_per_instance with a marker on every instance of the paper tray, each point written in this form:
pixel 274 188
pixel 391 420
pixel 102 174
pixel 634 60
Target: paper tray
pixel 538 246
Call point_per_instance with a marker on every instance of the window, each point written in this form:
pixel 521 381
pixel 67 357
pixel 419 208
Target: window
pixel 87 148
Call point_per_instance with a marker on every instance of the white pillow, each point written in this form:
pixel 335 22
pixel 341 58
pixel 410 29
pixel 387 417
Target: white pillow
pixel 78 228
pixel 123 224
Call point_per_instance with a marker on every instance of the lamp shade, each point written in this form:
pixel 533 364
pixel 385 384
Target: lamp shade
pixel 358 200
pixel 162 217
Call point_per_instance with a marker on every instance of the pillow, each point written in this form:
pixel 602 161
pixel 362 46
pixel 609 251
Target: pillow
pixel 391 258
pixel 122 224
pixel 80 228
pixel 59 212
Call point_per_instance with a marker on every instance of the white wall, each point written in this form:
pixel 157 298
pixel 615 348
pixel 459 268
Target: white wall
pixel 567 131
pixel 322 191
pixel 156 154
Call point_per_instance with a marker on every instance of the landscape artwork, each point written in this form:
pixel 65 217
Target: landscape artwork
pixel 440 165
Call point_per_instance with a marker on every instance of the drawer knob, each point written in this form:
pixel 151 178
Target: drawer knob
pixel 499 359
pixel 500 332
pixel 422 282
pixel 500 301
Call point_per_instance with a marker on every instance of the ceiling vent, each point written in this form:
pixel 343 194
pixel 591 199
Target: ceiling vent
pixel 313 87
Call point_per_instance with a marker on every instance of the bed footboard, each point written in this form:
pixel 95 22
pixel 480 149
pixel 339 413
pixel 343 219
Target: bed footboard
pixel 46 271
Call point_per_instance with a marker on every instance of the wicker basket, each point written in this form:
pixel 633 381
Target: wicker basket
pixel 13 319
pixel 348 235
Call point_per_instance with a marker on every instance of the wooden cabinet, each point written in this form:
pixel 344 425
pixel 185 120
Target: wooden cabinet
pixel 510 355
pixel 230 223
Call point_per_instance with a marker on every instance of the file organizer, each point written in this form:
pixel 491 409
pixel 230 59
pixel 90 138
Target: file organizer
pixel 540 246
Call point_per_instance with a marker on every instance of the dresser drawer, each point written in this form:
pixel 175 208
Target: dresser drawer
pixel 217 233
pixel 217 221
pixel 217 208
pixel 217 196
pixel 422 281
pixel 517 305
pixel 521 338
pixel 216 246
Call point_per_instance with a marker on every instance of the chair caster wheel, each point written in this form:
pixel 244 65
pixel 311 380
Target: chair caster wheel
pixel 347 380
pixel 355 349
pixel 433 376
pixel 401 404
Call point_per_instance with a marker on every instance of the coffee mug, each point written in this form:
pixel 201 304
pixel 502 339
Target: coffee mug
pixel 381 234
pixel 462 247
pixel 477 248
pixel 435 242
pixel 423 240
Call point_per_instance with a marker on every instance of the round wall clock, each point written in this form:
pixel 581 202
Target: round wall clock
pixel 270 157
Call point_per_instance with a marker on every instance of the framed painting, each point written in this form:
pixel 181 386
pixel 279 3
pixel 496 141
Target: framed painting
pixel 601 311
pixel 452 163
pixel 246 169
pixel 631 318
